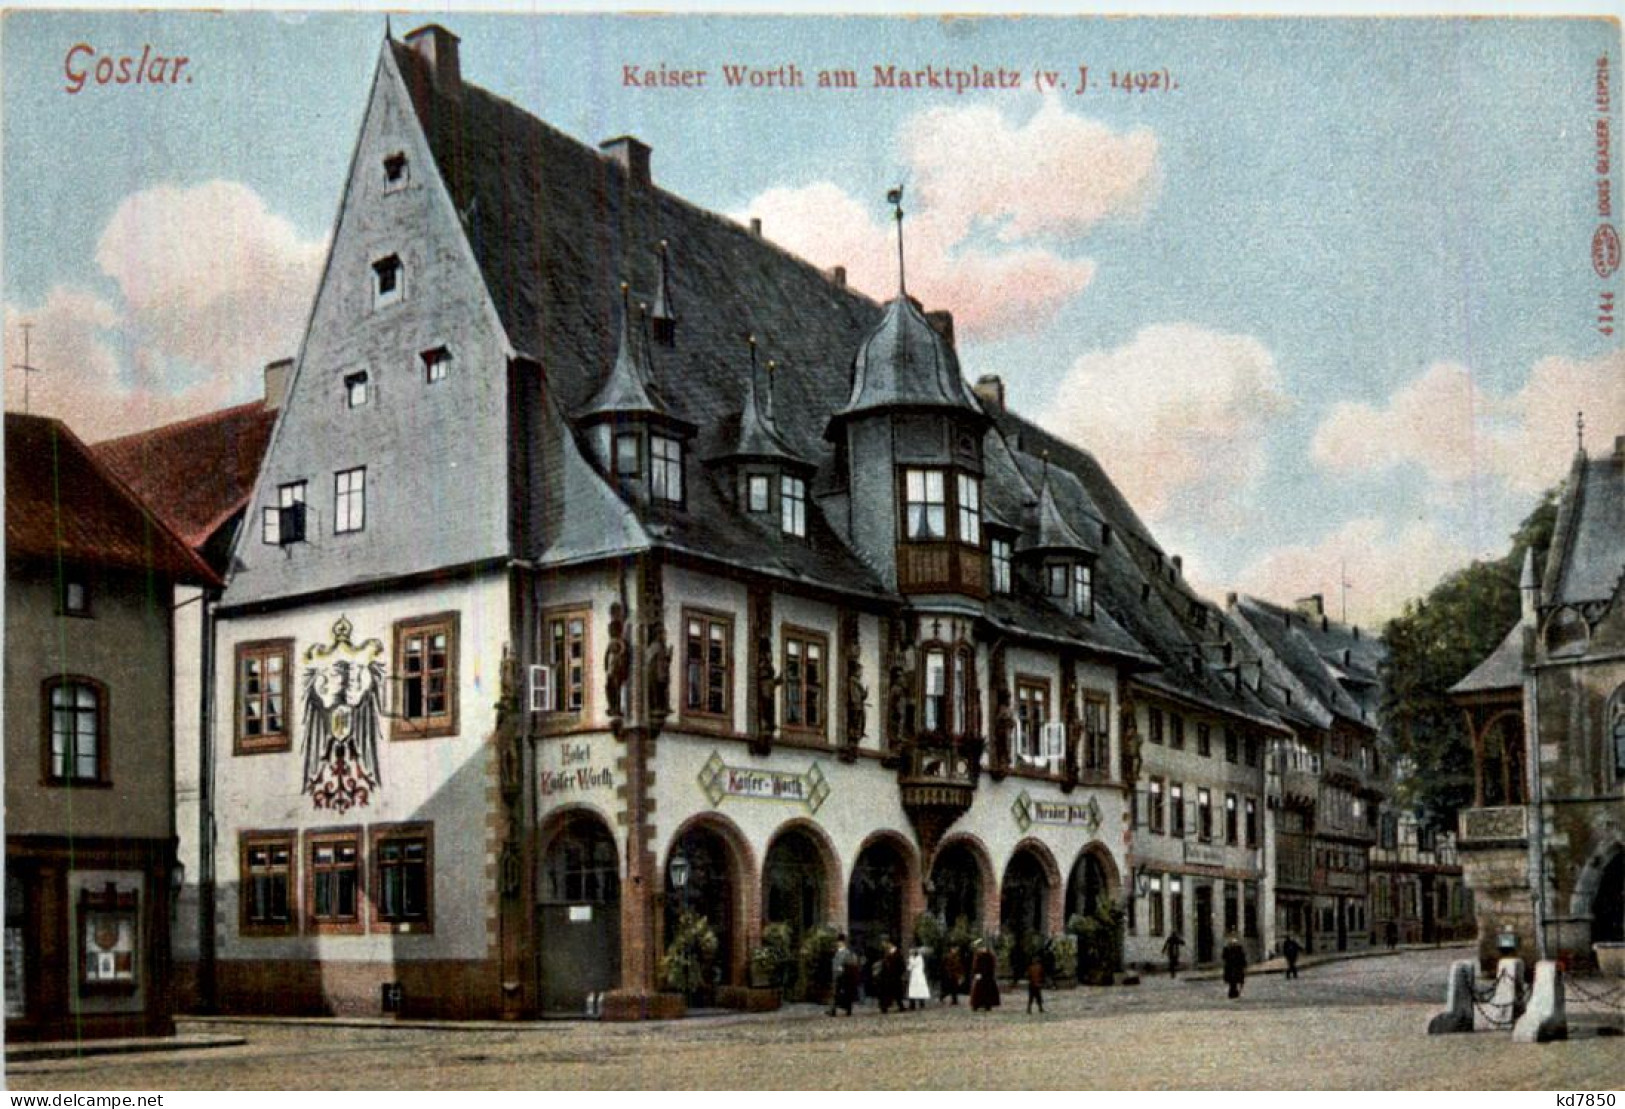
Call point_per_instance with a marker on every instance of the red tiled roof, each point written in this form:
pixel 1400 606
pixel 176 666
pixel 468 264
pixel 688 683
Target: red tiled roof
pixel 195 473
pixel 62 502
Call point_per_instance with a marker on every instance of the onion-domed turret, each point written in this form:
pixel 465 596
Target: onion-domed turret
pixel 906 363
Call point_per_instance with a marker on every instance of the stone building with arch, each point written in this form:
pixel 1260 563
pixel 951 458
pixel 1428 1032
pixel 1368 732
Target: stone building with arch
pixel 1543 847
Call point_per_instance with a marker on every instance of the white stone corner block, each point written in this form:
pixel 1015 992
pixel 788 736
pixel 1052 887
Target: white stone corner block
pixel 1544 1019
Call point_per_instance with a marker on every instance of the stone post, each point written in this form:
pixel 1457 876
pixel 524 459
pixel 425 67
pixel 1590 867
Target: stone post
pixel 1544 1020
pixel 1508 979
pixel 1458 1000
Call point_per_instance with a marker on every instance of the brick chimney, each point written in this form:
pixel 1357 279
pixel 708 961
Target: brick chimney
pixel 1178 562
pixel 942 321
pixel 631 155
pixel 990 387
pixel 756 227
pixel 277 375
pixel 837 275
pixel 438 47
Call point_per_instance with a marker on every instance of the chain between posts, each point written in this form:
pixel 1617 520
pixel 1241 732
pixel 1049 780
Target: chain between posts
pixel 1484 1001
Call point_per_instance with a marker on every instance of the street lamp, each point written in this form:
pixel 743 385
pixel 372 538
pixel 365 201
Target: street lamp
pixel 679 877
pixel 1142 880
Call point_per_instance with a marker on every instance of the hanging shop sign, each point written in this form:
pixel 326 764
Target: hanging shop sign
pixel 721 781
pixel 1028 812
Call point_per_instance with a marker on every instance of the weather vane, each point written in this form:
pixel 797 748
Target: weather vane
pixel 895 199
pixel 27 364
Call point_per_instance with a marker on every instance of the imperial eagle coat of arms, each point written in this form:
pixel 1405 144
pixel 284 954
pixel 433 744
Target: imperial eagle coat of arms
pixel 343 687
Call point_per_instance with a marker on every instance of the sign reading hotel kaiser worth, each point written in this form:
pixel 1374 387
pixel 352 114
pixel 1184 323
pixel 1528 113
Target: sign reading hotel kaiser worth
pixel 720 781
pixel 343 689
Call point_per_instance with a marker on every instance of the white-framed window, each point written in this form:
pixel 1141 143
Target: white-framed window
pixel 355 389
pixel 350 500
pixel 436 363
pixel 1083 589
pixel 284 522
pixel 999 561
pixel 388 281
pixel 926 505
pixel 936 688
pixel 970 510
pixel 1032 713
pixel 793 505
pixel 757 491
pixel 666 469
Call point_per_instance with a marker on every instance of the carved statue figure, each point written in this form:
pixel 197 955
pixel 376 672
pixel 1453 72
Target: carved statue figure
pixel 900 706
pixel 1004 727
pixel 617 661
pixel 767 689
pixel 657 669
pixel 857 697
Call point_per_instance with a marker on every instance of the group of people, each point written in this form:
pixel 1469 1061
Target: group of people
pixel 902 982
pixel 1233 958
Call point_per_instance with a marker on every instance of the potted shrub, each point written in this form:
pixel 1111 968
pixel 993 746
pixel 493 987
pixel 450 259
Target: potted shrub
pixel 770 964
pixel 1064 951
pixel 1100 943
pixel 813 981
pixel 690 955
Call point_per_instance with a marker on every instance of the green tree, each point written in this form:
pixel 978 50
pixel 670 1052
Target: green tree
pixel 1435 643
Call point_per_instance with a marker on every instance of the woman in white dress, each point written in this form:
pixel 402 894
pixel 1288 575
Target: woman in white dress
pixel 919 990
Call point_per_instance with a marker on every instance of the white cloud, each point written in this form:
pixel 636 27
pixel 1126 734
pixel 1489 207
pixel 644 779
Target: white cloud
pixel 212 285
pixel 988 201
pixel 1386 565
pixel 1443 423
pixel 211 276
pixel 1058 174
pixel 1179 414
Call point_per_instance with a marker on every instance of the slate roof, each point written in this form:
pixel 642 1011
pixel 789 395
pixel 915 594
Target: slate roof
pixel 62 503
pixel 754 433
pixel 906 363
pixel 1588 542
pixel 1285 632
pixel 198 473
pixel 1501 669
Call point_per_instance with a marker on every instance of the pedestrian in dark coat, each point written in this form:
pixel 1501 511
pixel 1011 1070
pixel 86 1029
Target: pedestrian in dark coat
pixel 1291 949
pixel 889 982
pixel 1170 948
pixel 844 972
pixel 953 976
pixel 1035 983
pixel 1235 965
pixel 984 980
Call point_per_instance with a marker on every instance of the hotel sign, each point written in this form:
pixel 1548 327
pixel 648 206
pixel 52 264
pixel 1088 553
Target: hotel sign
pixel 721 781
pixel 1203 854
pixel 576 773
pixel 1028 812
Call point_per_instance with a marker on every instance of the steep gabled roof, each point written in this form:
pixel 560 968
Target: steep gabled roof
pixel 195 473
pixel 62 503
pixel 1283 631
pixel 1587 560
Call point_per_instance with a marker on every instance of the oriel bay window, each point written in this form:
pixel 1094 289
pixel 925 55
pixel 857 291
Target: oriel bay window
pixel 333 880
pixel 925 506
pixel 403 878
pixel 266 884
pixel 970 510
pixel 707 664
pixel 947 681
pixel 804 680
pixel 426 661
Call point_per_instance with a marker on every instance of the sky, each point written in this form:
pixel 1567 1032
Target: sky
pixel 1323 301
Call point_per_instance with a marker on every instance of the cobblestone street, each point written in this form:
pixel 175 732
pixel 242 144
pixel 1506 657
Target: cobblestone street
pixel 1351 1025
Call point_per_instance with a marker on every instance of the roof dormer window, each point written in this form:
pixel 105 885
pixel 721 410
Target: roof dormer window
pixel 1057 584
pixel 757 493
pixel 395 172
pixel 666 469
pixel 627 462
pixel 388 281
pixel 793 506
